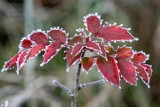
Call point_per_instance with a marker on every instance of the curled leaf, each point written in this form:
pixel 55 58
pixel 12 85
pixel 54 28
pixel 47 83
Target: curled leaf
pixel 25 43
pixel 109 69
pixel 87 63
pixel 109 49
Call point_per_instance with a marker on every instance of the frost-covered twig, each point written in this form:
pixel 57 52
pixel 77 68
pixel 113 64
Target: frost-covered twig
pixel 92 83
pixel 77 84
pixel 67 90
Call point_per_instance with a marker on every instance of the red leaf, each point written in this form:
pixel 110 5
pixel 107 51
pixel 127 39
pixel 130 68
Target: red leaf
pixel 124 52
pixel 70 58
pixel 25 43
pixel 39 37
pixel 93 23
pixel 109 49
pixel 93 45
pixel 58 35
pixel 127 70
pixel 139 57
pixel 143 74
pixel 51 51
pixel 77 49
pixel 11 63
pixel 21 60
pixel 109 69
pixel 35 51
pixel 87 63
pixel 148 69
pixel 103 50
pixel 75 40
pixel 115 33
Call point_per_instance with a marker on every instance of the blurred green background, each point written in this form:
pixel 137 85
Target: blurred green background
pixel 33 87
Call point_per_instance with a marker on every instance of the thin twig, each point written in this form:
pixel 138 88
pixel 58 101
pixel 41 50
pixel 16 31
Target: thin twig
pixel 78 74
pixel 67 90
pixel 78 77
pixel 77 84
pixel 92 83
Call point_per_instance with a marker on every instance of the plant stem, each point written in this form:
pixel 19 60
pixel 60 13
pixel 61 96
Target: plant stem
pixel 77 84
pixel 77 87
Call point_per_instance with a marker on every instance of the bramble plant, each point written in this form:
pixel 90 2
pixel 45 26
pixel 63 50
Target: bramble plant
pixel 111 62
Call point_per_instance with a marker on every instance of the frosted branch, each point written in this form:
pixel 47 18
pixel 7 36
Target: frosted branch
pixel 92 83
pixel 67 90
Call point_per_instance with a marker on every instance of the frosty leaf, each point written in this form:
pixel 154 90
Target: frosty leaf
pixel 109 49
pixel 115 33
pixel 109 69
pixel 35 50
pixel 58 35
pixel 93 23
pixel 93 45
pixel 77 49
pixel 51 51
pixel 87 63
pixel 127 70
pixel 25 43
pixel 139 57
pixel 148 69
pixel 74 40
pixel 70 58
pixel 39 37
pixel 103 50
pixel 21 60
pixel 11 63
pixel 143 74
pixel 124 52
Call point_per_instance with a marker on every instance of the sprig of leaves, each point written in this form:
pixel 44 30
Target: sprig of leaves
pixel 112 63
